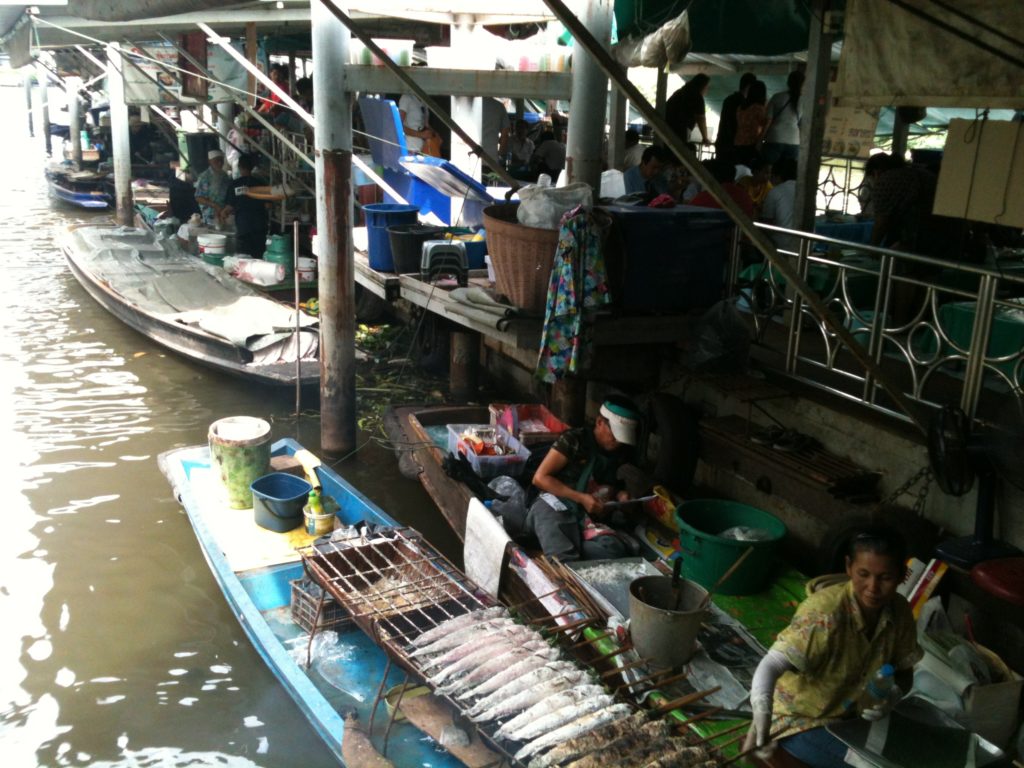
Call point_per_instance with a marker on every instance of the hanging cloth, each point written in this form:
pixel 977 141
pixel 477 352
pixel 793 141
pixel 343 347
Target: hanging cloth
pixel 579 282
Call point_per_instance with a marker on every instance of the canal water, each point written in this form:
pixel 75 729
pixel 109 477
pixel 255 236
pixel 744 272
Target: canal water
pixel 116 646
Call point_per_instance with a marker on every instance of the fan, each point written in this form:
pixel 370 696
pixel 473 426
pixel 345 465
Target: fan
pixel 958 453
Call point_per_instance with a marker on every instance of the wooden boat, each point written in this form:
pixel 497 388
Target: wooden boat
pixel 192 308
pixel 255 569
pixel 85 189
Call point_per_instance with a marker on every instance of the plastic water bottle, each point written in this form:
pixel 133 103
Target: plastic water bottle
pixel 878 689
pixel 316 506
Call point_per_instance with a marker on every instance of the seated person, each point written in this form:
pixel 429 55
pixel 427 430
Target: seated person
pixel 758 184
pixel 838 640
pixel 647 176
pixel 181 195
pixel 520 150
pixel 549 156
pixel 575 479
pixel 725 174
pixel 779 206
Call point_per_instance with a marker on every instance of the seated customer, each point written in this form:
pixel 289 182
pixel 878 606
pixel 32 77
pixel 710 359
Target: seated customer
pixel 577 477
pixel 838 640
pixel 646 177
pixel 724 173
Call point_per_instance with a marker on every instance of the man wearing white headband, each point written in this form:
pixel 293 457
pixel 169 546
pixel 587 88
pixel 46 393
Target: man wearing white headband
pixel 576 479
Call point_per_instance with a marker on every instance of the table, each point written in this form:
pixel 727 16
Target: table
pixel 853 232
pixel 1006 337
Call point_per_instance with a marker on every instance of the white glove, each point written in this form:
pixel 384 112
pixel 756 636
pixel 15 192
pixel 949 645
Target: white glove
pixel 760 726
pixel 883 708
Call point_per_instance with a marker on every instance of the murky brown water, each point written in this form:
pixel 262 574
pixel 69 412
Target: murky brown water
pixel 116 646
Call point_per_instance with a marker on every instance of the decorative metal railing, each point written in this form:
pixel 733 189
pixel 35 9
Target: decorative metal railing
pixel 947 332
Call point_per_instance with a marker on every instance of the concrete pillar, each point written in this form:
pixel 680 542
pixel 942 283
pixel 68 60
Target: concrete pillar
pixel 28 103
pixel 464 366
pixel 75 119
pixel 900 134
pixel 225 114
pixel 814 109
pixel 120 145
pixel 334 233
pixel 589 97
pixel 43 78
pixel 467 111
pixel 617 128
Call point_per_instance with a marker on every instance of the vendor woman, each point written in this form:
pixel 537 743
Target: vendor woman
pixel 576 478
pixel 840 637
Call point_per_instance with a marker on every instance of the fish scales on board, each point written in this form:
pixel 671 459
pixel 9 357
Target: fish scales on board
pixel 581 745
pixel 457 638
pixel 574 729
pixel 496 665
pixel 560 717
pixel 445 628
pixel 547 706
pixel 532 695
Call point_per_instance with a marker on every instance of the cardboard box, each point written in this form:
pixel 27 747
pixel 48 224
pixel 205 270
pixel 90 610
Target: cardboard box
pixel 993 710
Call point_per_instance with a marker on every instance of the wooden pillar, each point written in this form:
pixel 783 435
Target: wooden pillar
pixel 43 78
pixel 72 84
pixel 900 133
pixel 467 111
pixel 814 104
pixel 251 50
pixel 589 99
pixel 617 123
pixel 569 400
pixel 333 148
pixel 120 145
pixel 464 365
pixel 28 103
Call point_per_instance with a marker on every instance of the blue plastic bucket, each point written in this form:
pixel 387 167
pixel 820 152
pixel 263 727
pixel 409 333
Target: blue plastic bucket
pixel 380 216
pixel 277 500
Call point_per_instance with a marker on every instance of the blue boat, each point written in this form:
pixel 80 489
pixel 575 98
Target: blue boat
pixel 255 569
pixel 84 189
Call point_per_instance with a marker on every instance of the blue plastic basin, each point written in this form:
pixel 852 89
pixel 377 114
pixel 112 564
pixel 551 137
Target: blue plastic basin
pixel 278 499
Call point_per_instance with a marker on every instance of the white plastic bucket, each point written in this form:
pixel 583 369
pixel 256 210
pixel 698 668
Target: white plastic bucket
pixel 213 244
pixel 304 262
pixel 306 275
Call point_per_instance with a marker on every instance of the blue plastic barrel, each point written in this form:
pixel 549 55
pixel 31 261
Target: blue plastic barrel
pixel 380 216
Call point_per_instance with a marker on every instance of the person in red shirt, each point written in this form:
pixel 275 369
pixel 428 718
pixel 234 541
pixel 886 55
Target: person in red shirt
pixel 725 174
pixel 272 103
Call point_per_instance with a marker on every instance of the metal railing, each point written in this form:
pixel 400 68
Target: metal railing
pixel 948 332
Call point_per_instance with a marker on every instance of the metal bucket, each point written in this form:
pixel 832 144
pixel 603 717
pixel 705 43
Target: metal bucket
pixel 666 636
pixel 240 452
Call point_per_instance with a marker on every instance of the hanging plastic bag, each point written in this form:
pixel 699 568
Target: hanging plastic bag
pixel 721 341
pixel 543 207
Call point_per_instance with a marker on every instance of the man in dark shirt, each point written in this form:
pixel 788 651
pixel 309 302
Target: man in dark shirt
pixel 725 139
pixel 250 213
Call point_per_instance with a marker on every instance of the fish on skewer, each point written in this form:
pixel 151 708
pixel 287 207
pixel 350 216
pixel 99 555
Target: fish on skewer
pixel 581 745
pixel 632 750
pixel 513 636
pixel 549 705
pixel 529 652
pixel 468 656
pixel 460 636
pixel 501 679
pixel 530 696
pixel 561 717
pixel 688 756
pixel 459 622
pixel 574 729
pixel 522 683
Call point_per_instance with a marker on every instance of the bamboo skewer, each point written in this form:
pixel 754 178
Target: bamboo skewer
pixel 623 668
pixel 743 753
pixel 682 701
pixel 612 654
pixel 533 599
pixel 724 578
pixel 700 716
pixel 569 627
pixel 582 643
pixel 726 732
pixel 649 679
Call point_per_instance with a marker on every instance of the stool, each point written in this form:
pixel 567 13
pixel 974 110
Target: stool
pixel 1003 577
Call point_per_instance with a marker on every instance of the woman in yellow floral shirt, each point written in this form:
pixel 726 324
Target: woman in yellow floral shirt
pixel 839 638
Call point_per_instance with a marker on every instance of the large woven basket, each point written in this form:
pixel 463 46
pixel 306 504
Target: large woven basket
pixel 521 257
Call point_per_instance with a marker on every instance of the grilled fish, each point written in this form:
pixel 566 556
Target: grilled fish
pixel 581 745
pixel 549 705
pixel 574 729
pixel 538 652
pixel 533 695
pixel 514 672
pixel 631 750
pixel 522 683
pixel 511 636
pixel 560 717
pixel 459 622
pixel 460 636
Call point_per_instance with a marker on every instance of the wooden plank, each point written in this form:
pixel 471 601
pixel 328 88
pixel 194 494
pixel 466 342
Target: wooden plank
pixel 382 284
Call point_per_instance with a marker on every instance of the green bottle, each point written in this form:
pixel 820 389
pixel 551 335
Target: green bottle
pixel 316 506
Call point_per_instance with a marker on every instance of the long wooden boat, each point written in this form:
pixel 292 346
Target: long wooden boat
pixel 192 308
pixel 83 189
pixel 255 569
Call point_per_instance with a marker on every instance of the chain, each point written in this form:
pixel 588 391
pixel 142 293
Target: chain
pixel 925 474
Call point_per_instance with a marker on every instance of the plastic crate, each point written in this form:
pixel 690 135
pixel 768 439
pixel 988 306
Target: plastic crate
pixel 530 423
pixel 486 467
pixel 306 598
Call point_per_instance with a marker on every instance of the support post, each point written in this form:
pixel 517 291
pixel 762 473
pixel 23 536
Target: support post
pixel 43 78
pixel 589 98
pixel 900 133
pixel 617 127
pixel 119 136
pixel 814 104
pixel 252 48
pixel 28 103
pixel 225 114
pixel 334 233
pixel 467 111
pixel 75 119
pixel 464 365
pixel 569 400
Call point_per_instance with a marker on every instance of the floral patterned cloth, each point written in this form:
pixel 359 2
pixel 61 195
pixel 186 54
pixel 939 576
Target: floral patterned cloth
pixel 834 657
pixel 578 283
pixel 214 185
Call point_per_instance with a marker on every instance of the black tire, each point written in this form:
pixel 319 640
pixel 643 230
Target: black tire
pixel 676 425
pixel 432 345
pixel 369 308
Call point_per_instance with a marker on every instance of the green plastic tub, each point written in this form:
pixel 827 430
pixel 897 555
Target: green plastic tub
pixel 706 555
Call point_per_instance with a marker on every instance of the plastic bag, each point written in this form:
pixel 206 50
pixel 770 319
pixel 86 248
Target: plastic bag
pixel 511 510
pixel 543 207
pixel 745 533
pixel 722 341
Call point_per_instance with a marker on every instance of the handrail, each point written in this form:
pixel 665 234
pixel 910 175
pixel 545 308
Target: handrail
pixel 932 341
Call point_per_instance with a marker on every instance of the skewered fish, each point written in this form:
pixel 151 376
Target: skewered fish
pixel 574 729
pixel 503 678
pixel 532 695
pixel 522 683
pixel 635 748
pixel 459 622
pixel 691 757
pixel 560 717
pixel 498 641
pixel 575 747
pixel 535 652
pixel 460 636
pixel 549 705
